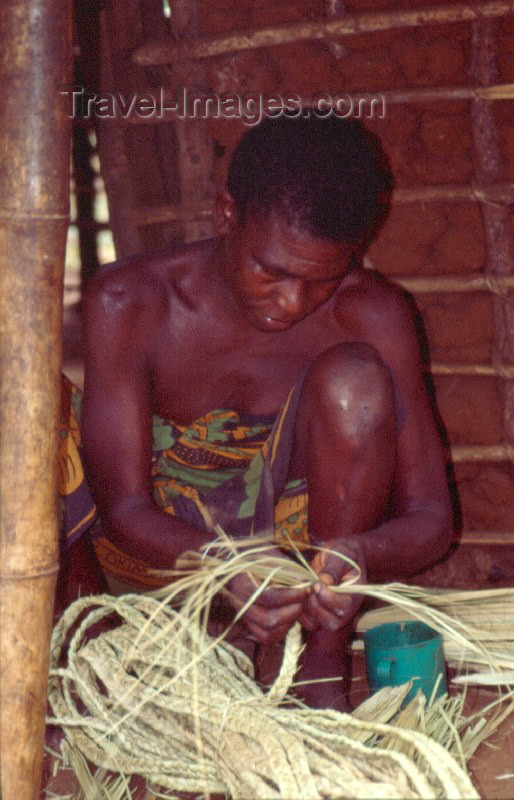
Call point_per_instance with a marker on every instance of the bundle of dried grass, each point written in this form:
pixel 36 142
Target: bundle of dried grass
pixel 444 720
pixel 158 697
pixel 488 616
pixel 94 785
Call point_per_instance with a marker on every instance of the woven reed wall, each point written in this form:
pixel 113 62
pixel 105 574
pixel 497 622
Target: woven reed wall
pixel 449 237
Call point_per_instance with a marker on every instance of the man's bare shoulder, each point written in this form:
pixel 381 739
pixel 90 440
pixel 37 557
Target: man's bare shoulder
pixel 372 304
pixel 147 280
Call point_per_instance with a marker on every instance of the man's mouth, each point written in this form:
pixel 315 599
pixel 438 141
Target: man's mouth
pixel 278 324
pixel 270 321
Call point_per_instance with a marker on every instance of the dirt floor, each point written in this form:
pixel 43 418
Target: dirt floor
pixel 492 767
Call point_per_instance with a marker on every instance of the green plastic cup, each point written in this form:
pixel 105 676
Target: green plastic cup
pixel 397 652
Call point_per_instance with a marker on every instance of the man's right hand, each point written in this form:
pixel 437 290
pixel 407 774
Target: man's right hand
pixel 271 614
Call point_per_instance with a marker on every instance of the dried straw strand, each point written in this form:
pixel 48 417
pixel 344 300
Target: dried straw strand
pixel 240 725
pixel 169 702
pixel 488 617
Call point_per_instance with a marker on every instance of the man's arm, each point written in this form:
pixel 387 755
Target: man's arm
pixel 117 422
pixel 117 432
pixel 420 529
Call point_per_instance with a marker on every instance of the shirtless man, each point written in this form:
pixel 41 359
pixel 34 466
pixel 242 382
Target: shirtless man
pixel 232 323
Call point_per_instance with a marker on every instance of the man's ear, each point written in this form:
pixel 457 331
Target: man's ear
pixel 224 215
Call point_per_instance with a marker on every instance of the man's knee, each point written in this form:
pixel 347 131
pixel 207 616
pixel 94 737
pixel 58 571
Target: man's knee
pixel 350 382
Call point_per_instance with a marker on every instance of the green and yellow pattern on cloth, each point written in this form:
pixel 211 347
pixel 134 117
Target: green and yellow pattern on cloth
pixel 77 507
pixel 225 469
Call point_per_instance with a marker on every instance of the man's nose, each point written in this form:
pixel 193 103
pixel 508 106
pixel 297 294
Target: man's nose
pixel 291 298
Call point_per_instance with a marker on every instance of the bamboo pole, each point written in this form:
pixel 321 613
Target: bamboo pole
pixel 497 284
pixel 500 91
pixel 489 168
pixel 505 371
pixel 114 159
pixel 200 209
pixel 482 452
pixel 496 194
pixel 503 538
pixel 349 24
pixel 497 91
pixel 194 141
pixel 34 182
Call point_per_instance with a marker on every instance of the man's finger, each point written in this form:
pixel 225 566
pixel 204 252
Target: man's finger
pixel 331 566
pixel 327 617
pixel 307 622
pixel 333 601
pixel 244 587
pixel 268 618
pixel 267 637
pixel 274 598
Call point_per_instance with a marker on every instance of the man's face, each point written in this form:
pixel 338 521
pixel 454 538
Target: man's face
pixel 280 274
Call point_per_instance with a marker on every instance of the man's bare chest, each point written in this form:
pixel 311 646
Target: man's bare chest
pixel 203 373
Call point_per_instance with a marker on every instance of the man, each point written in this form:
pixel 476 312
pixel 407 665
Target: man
pixel 263 370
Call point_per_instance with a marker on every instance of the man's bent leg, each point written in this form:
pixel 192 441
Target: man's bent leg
pixel 346 440
pixel 346 446
pixel 326 661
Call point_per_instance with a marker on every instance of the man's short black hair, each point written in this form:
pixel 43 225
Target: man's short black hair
pixel 327 175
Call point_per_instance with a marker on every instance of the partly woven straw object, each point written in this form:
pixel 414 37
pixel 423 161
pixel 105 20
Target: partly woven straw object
pixel 185 712
pixel 168 702
pixel 158 697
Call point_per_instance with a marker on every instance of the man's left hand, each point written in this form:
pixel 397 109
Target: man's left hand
pixel 323 607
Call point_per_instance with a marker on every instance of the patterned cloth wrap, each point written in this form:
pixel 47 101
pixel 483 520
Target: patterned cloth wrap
pixel 76 505
pixel 225 469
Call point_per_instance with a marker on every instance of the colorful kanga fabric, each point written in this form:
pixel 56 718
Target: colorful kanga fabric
pixel 225 469
pixel 76 504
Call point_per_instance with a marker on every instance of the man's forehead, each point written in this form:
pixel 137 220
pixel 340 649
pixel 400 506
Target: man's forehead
pixel 273 238
pixel 288 249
